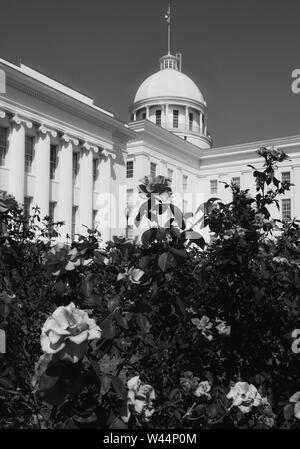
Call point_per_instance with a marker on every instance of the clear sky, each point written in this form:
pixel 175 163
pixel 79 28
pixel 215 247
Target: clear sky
pixel 240 53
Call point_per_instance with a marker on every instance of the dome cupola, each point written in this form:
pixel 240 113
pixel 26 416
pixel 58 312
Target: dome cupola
pixel 170 99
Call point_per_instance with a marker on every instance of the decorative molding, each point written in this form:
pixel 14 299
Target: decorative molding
pixel 16 120
pixel 65 138
pixel 49 123
pixel 75 141
pixel 86 146
pixel 43 130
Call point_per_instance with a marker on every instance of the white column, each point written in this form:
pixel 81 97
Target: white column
pixel 104 202
pixel 42 183
pixel 141 167
pixel 167 116
pixel 186 118
pixel 295 190
pixel 16 152
pixel 86 191
pixel 65 195
pixel 163 168
pixel 201 123
pixel 147 112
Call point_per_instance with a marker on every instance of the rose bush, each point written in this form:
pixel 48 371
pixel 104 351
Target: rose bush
pixel 212 329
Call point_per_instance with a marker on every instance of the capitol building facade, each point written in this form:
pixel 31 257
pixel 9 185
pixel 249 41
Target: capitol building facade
pixel 80 164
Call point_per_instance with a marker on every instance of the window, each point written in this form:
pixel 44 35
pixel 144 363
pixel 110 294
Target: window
pixel 2 145
pixel 129 169
pixel 27 205
pixel 153 169
pixel 74 216
pixel 286 176
pixel 184 183
pixel 175 118
pixel 144 115
pixel 158 117
pixel 213 186
pixel 286 209
pixel 236 180
pixel 53 160
pixel 170 174
pixel 29 153
pixel 75 167
pixel 95 173
pixel 191 119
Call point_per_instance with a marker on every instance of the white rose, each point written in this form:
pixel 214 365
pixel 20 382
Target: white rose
pixel 244 396
pixel 67 332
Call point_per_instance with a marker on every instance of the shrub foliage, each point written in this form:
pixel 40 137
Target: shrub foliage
pixel 171 333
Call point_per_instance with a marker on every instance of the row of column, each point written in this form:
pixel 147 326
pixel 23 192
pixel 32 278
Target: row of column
pixel 41 197
pixel 201 123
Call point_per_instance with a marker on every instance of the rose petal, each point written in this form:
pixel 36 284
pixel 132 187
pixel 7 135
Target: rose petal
pixel 296 397
pixel 80 338
pixel 139 405
pixel 134 383
pixel 63 317
pixel 52 324
pixel 297 410
pixel 45 344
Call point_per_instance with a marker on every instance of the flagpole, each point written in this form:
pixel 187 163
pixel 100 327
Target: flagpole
pixel 169 29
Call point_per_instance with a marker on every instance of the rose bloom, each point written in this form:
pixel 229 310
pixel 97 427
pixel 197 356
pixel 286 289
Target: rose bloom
pixel 244 396
pixel 133 274
pixel 140 397
pixel 203 389
pixel 204 325
pixel 295 399
pixel 67 331
pixel 188 382
pixel 222 328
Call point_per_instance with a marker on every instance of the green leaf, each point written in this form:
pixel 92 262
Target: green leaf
pixel 105 384
pixel 148 237
pixel 122 322
pixel 143 323
pixel 179 252
pixel 166 261
pixel 119 387
pixel 108 329
pixel 288 412
pixel 118 424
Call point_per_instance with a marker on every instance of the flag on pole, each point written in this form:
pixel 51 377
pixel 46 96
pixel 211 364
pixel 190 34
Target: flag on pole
pixel 168 15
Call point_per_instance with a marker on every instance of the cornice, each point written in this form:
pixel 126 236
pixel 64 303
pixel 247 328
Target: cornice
pixel 48 124
pixel 146 129
pixel 49 95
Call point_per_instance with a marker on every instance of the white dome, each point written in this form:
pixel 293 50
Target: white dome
pixel 169 83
